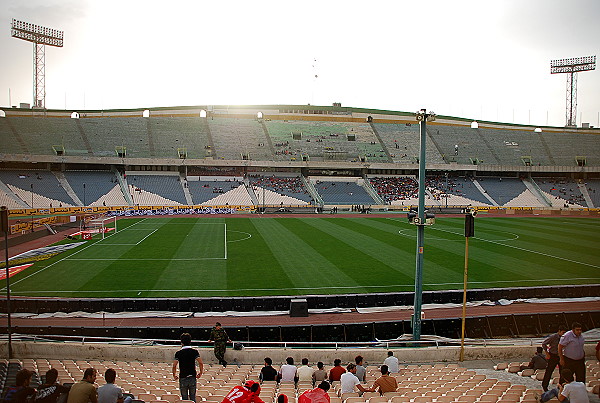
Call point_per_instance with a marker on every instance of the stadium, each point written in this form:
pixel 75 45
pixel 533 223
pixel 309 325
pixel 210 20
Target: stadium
pixel 298 227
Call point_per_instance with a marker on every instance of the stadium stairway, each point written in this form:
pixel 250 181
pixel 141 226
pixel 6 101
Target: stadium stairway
pixel 380 140
pixel 311 189
pixel 186 190
pixel 489 147
pixel 371 191
pixel 585 195
pixel 209 135
pixel 251 192
pixel 268 137
pixel 84 137
pixel 10 194
pixel 124 187
pixel 535 189
pixel 484 192
pixel 150 138
pixel 63 182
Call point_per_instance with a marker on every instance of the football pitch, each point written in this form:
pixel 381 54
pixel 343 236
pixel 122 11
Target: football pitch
pixel 173 256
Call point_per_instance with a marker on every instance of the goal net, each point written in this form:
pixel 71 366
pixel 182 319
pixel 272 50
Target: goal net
pixel 99 227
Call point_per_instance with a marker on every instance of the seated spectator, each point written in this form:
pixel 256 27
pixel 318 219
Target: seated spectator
pixel 316 395
pixel 320 374
pixel 268 373
pixel 391 362
pixel 385 383
pixel 110 393
pixel 50 391
pixel 249 393
pixel 84 391
pixel 21 392
pixel 361 372
pixel 336 372
pixel 348 381
pixel 538 361
pixel 305 373
pixel 287 372
pixel 568 391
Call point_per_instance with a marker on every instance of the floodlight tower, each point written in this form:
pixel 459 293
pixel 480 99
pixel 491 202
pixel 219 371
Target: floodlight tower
pixel 40 36
pixel 572 67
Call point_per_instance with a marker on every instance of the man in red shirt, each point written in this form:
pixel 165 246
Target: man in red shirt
pixel 336 372
pixel 244 394
pixel 317 395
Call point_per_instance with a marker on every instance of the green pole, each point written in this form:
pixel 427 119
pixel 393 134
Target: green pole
pixel 418 302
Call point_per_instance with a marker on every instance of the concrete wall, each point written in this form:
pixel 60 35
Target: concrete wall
pixel 112 352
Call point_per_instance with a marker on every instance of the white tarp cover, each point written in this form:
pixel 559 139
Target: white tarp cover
pixel 170 314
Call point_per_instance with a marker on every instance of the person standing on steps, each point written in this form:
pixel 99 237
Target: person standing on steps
pixel 218 335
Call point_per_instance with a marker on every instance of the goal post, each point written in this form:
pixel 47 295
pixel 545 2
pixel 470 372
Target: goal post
pixel 101 225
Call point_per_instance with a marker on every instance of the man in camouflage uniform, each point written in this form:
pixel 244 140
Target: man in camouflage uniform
pixel 219 336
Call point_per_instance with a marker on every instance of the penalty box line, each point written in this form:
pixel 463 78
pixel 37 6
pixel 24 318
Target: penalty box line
pixel 145 259
pixel 65 258
pixel 128 244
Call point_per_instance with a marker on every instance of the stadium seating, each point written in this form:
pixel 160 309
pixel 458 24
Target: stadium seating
pixel 323 141
pixel 337 192
pixel 561 191
pixel 203 191
pixel 156 190
pixel 471 147
pixel 566 146
pixel 505 190
pixel 593 186
pixel 286 186
pixel 97 184
pixel 403 143
pixel 459 191
pixel 37 135
pixel 510 146
pixel 153 382
pixel 234 138
pixel 47 190
pixel 393 189
pixel 8 201
pixel 170 135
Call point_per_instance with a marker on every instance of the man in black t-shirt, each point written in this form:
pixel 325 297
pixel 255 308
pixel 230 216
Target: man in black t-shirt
pixel 187 358
pixel 50 391
pixel 268 373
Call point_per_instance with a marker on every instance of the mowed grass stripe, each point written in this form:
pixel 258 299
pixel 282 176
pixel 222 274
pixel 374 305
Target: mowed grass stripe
pixel 546 236
pixel 303 265
pixel 252 268
pixel 352 253
pixel 59 274
pixel 390 244
pixel 496 259
pixel 141 274
pixel 539 242
pixel 204 266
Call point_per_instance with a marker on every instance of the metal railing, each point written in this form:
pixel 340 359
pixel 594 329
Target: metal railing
pixel 437 342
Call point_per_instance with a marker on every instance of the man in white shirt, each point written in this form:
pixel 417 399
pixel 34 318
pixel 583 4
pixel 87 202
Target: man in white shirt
pixel 287 372
pixel 570 391
pixel 348 380
pixel 305 373
pixel 392 363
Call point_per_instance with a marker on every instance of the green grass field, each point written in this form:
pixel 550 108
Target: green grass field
pixel 264 255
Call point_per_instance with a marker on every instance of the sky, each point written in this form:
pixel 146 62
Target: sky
pixel 481 59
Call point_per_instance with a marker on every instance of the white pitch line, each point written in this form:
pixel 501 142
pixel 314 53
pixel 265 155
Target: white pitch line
pixel 519 248
pixel 543 281
pixel 142 240
pixel 64 258
pixel 147 259
pixel 225 235
pixel 527 250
